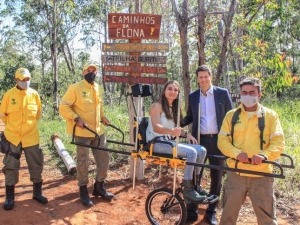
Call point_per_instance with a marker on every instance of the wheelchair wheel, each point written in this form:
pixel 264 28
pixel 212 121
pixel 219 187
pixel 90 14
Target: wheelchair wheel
pixel 162 207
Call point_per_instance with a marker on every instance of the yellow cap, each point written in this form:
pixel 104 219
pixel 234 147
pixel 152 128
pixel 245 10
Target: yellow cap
pixel 22 73
pixel 86 66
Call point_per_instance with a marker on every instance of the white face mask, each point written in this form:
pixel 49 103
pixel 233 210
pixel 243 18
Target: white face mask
pixel 249 101
pixel 23 84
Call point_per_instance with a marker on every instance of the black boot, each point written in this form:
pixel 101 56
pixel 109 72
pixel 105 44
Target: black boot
pixel 84 196
pixel 37 193
pixel 99 190
pixel 190 194
pixel 198 187
pixel 192 212
pixel 10 197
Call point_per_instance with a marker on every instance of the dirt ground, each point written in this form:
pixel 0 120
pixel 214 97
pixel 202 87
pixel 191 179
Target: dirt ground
pixel 127 208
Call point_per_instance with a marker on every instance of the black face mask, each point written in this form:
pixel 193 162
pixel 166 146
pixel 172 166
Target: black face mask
pixel 90 77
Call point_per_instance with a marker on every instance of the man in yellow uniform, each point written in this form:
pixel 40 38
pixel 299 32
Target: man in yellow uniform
pixel 82 105
pixel 21 110
pixel 242 141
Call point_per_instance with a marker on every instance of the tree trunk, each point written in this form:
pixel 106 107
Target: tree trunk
pixel 54 59
pixel 70 57
pixel 201 31
pixel 67 56
pixel 224 49
pixel 182 23
pixel 132 102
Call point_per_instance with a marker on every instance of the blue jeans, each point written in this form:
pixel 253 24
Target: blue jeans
pixel 192 153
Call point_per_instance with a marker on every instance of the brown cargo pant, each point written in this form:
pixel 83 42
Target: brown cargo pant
pixel 101 159
pixel 259 189
pixel 34 158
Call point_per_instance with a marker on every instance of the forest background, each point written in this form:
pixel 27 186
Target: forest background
pixel 259 38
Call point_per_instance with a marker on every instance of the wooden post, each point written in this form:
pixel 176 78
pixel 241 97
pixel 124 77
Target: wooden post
pixel 64 154
pixel 134 27
pixel 138 165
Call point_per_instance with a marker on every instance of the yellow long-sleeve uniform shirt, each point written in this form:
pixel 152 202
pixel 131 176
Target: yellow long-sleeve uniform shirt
pixel 246 138
pixel 20 110
pixel 83 100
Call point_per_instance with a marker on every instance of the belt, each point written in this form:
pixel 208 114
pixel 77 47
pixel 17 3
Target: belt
pixel 208 135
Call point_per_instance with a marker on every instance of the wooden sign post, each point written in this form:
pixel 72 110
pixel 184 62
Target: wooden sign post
pixel 133 27
pixel 135 47
pixel 136 59
pixel 122 62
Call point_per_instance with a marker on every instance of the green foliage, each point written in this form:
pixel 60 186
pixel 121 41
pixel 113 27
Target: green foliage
pixel 11 59
pixel 292 93
pixel 279 76
pixel 289 114
pixel 263 44
pixel 50 127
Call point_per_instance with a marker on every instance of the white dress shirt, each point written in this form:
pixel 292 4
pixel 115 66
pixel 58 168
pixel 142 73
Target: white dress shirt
pixel 208 117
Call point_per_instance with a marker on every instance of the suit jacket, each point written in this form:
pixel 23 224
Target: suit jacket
pixel 223 104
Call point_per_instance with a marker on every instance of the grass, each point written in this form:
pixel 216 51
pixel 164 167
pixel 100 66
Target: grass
pixel 289 114
pixel 48 127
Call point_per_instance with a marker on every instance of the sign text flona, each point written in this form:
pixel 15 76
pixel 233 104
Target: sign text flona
pixel 133 26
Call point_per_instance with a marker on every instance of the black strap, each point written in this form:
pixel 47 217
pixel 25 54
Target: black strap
pixel 15 155
pixel 234 119
pixel 5 147
pixel 164 140
pixel 159 139
pixel 261 125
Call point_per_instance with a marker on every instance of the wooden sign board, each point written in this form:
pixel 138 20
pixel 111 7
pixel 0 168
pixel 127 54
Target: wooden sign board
pixel 134 47
pixel 134 80
pixel 134 59
pixel 135 69
pixel 133 26
pixel 235 97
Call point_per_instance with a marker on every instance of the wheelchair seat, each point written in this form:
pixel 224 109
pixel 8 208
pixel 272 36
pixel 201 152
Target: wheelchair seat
pixel 141 137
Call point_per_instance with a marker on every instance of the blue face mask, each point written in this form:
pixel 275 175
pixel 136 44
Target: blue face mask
pixel 90 77
pixel 23 84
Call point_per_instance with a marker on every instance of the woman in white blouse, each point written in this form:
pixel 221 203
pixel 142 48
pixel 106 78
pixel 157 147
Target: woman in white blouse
pixel 162 123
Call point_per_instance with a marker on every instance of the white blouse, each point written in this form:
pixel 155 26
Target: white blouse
pixel 164 121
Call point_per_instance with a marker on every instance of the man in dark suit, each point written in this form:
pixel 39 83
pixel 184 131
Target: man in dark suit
pixel 213 102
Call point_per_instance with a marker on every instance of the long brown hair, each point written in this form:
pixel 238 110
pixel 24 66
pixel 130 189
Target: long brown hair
pixel 170 114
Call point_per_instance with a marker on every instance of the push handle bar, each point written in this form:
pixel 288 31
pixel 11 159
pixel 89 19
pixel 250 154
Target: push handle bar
pixel 98 137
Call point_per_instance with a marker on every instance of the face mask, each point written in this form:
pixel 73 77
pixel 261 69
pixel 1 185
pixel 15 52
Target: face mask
pixel 90 77
pixel 23 84
pixel 249 101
